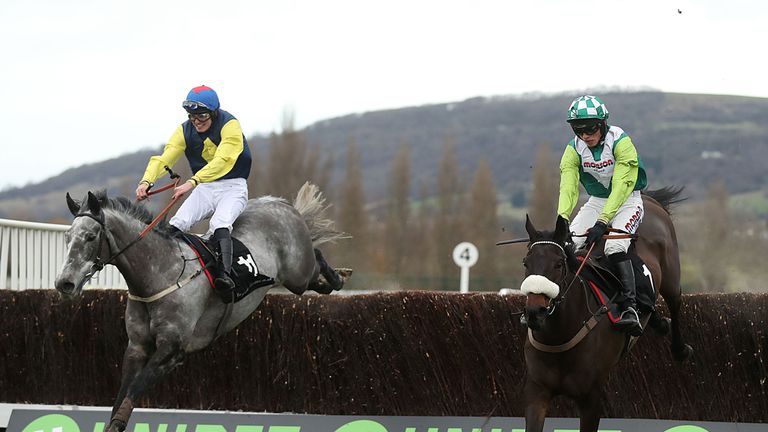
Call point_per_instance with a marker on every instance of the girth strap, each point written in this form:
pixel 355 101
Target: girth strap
pixel 166 291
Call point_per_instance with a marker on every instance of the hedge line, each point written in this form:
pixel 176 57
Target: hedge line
pixel 398 353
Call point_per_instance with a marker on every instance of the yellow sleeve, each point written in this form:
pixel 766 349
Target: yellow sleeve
pixel 226 155
pixel 171 154
pixel 569 183
pixel 624 178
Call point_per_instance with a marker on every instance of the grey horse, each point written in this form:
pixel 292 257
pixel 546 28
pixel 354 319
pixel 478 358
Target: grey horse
pixel 171 312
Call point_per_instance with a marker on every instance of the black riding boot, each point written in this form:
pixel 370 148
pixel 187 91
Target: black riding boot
pixel 629 321
pixel 223 283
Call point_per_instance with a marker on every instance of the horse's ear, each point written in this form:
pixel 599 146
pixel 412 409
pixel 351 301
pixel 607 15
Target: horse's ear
pixel 93 204
pixel 561 229
pixel 102 196
pixel 74 207
pixel 532 233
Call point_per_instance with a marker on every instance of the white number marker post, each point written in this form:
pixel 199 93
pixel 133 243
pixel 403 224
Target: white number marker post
pixel 465 256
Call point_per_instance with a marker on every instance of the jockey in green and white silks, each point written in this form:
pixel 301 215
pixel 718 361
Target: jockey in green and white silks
pixel 612 175
pixel 605 161
pixel 218 154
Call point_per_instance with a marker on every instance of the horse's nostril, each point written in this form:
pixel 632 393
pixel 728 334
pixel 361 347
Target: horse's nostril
pixel 66 287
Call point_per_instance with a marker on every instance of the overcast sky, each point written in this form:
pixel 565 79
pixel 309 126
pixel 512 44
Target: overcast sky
pixel 85 81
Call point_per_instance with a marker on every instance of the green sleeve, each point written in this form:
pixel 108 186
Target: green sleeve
pixel 171 154
pixel 226 155
pixel 569 182
pixel 624 178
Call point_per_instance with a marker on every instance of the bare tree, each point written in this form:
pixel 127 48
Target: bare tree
pixel 716 218
pixel 291 161
pixel 542 204
pixel 352 217
pixel 421 272
pixel 398 210
pixel 256 178
pixel 483 227
pixel 447 229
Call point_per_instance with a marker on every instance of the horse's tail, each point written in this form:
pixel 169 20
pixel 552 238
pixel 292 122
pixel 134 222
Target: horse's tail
pixel 311 205
pixel 666 196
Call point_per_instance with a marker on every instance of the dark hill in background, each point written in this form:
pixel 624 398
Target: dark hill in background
pixel 678 136
pixel 684 139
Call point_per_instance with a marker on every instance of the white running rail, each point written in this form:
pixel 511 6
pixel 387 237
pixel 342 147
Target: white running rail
pixel 31 253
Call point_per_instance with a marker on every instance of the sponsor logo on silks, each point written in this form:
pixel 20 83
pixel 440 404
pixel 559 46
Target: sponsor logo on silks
pixel 634 221
pixel 52 423
pixel 598 165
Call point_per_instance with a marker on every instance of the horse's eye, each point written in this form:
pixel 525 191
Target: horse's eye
pixel 90 237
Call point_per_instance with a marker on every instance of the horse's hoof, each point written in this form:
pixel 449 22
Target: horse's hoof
pixel 683 354
pixel 344 273
pixel 116 426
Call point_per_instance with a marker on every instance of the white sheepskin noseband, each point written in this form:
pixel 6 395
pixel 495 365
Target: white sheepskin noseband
pixel 538 284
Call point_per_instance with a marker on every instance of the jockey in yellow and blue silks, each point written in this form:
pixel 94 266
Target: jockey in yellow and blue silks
pixel 218 154
pixel 604 159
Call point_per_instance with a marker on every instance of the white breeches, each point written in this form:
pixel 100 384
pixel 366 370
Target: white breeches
pixel 628 219
pixel 220 200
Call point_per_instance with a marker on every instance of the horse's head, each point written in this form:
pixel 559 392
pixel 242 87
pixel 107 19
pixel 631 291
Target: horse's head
pixel 545 269
pixel 85 240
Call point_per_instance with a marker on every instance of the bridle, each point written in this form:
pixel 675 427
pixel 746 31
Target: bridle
pixel 98 265
pixel 554 302
pixel 588 324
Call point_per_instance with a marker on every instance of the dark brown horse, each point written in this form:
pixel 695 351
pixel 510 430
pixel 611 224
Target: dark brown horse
pixel 565 356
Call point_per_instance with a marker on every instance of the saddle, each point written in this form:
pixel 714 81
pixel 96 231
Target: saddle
pixel 605 285
pixel 245 273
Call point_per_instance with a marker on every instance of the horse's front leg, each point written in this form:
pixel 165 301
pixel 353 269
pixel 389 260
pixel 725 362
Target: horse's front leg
pixel 134 359
pixel 537 400
pixel 590 407
pixel 167 356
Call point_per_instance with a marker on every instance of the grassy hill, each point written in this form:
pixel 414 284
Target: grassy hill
pixel 684 139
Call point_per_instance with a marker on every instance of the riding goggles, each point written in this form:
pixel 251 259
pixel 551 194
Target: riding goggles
pixel 191 105
pixel 589 128
pixel 199 117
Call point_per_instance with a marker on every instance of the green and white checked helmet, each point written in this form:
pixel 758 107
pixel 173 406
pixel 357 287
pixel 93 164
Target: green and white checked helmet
pixel 587 107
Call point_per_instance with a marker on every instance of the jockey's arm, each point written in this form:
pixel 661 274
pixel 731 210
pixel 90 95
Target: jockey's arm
pixel 171 154
pixel 226 155
pixel 623 180
pixel 569 183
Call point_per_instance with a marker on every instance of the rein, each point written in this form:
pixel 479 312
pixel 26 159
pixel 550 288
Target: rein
pixel 592 321
pixel 98 265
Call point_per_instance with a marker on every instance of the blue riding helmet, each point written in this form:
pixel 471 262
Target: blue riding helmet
pixel 201 99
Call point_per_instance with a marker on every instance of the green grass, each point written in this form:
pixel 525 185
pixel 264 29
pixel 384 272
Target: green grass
pixel 754 203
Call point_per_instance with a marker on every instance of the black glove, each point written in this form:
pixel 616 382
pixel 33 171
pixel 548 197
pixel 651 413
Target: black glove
pixel 595 233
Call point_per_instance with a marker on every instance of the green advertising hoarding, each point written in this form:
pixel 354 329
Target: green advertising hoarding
pixel 94 420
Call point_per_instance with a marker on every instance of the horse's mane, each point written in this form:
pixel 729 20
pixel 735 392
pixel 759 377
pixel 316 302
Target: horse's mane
pixel 570 255
pixel 132 209
pixel 666 196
